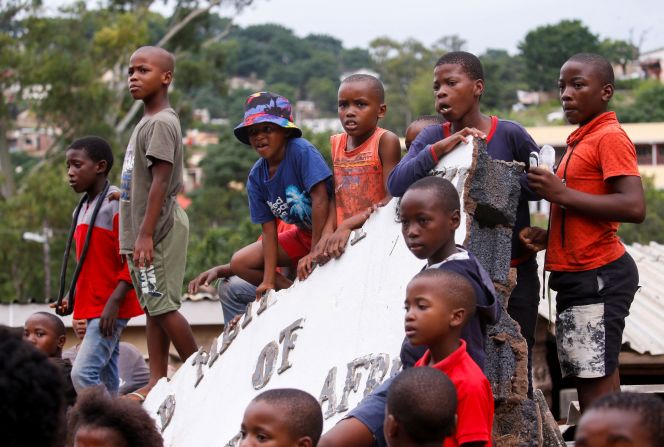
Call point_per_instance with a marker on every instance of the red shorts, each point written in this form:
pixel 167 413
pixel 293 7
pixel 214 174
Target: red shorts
pixel 295 242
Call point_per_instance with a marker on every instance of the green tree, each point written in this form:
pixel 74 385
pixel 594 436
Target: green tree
pixel 502 78
pixel 619 52
pixel 652 228
pixel 648 105
pixel 546 48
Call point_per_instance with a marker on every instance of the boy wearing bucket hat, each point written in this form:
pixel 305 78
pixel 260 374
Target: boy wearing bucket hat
pixel 290 182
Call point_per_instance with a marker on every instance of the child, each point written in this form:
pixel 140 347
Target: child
pixel 289 182
pixel 46 332
pixel 458 86
pixel 102 292
pixel 430 215
pixel 133 372
pixel 98 419
pixel 363 158
pixel 32 412
pixel 154 229
pixel 283 417
pixel 596 186
pixel 419 125
pixel 421 409
pixel 622 419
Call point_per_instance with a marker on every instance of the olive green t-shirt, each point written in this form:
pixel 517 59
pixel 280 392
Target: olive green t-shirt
pixel 157 137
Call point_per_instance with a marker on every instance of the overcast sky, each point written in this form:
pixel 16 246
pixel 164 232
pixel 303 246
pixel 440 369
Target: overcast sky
pixel 482 23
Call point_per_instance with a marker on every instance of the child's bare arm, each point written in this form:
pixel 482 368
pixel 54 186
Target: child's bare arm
pixel 270 255
pixel 626 202
pixel 205 278
pixel 144 246
pixel 389 151
pixel 319 211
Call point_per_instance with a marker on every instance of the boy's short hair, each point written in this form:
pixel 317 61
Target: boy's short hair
pixel 374 81
pixel 33 407
pixel 433 119
pixel 57 323
pixel 470 63
pixel 306 417
pixel 650 408
pixel 96 408
pixel 423 400
pixel 458 289
pixel 599 63
pixel 446 194
pixel 97 149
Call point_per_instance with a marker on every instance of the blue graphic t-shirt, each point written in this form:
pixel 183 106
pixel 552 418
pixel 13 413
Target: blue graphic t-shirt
pixel 286 195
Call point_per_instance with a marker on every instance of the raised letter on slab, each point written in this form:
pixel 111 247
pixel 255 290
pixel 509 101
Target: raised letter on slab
pixel 328 393
pixel 265 365
pixel 288 338
pixel 353 380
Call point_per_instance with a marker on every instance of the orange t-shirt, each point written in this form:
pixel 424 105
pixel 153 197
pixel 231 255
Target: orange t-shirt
pixel 599 151
pixel 358 174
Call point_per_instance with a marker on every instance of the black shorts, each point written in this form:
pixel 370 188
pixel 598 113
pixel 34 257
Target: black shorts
pixel 591 307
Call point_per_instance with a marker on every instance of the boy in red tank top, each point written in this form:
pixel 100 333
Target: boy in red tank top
pixel 363 157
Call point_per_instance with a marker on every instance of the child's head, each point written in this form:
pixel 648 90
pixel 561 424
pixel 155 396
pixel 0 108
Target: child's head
pixel 267 125
pixel 282 418
pixel 430 214
pixel 99 419
pixel 438 304
pixel 150 72
pixel 586 87
pixel 458 84
pixel 418 125
pixel 421 408
pixel 79 327
pixel 89 159
pixel 361 102
pixel 46 332
pixel 33 406
pixel 625 419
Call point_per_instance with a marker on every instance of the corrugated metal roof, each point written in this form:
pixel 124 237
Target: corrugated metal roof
pixel 644 327
pixel 639 133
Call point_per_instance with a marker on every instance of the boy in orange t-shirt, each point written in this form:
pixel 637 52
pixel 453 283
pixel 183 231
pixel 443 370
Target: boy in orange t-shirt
pixel 596 186
pixel 363 157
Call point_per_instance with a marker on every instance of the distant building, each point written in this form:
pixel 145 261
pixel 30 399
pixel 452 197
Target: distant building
pixel 29 136
pixel 651 63
pixel 244 83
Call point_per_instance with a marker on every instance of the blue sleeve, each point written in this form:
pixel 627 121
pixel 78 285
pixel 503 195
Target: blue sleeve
pixel 311 165
pixel 417 162
pixel 258 209
pixel 371 411
pixel 524 145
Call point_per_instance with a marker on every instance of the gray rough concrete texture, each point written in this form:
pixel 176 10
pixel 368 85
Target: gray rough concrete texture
pixel 491 198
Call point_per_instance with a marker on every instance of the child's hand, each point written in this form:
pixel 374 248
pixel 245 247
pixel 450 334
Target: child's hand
pixel 204 279
pixel 305 266
pixel 143 251
pixel 108 317
pixel 63 306
pixel 336 244
pixel 263 288
pixel 113 196
pixel 319 253
pixel 534 238
pixel 448 144
pixel 546 184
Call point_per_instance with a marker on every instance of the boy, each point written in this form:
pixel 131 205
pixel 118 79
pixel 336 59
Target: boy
pixel 363 158
pixel 458 86
pixel 98 419
pixel 622 419
pixel 421 409
pixel 133 372
pixel 46 332
pixel 430 215
pixel 154 229
pixel 419 125
pixel 596 186
pixel 283 417
pixel 290 182
pixel 103 297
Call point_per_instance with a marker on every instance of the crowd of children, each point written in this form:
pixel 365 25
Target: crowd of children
pixel 131 246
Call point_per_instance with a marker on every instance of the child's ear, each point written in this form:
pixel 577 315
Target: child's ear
pixel 101 166
pixel 458 317
pixel 167 77
pixel 382 110
pixel 305 441
pixel 61 341
pixel 455 218
pixel 391 427
pixel 479 88
pixel 607 92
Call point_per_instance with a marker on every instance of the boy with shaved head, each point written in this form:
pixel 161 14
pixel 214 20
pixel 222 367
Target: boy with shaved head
pixel 595 187
pixel 154 230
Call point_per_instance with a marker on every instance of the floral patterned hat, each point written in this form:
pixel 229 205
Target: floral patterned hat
pixel 266 107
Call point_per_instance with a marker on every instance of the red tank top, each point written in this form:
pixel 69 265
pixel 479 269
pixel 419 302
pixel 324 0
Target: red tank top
pixel 358 174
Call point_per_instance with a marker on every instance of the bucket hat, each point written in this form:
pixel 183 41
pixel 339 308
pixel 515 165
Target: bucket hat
pixel 266 107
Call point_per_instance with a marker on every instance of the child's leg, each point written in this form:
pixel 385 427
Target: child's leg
pixel 247 263
pixel 590 390
pixel 94 355
pixel 234 294
pixel 158 343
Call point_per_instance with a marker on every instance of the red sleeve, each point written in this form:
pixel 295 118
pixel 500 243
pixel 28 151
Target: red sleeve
pixel 123 274
pixel 617 155
pixel 474 413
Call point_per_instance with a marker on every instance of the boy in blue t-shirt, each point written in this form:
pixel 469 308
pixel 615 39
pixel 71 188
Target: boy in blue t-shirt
pixel 458 86
pixel 290 182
